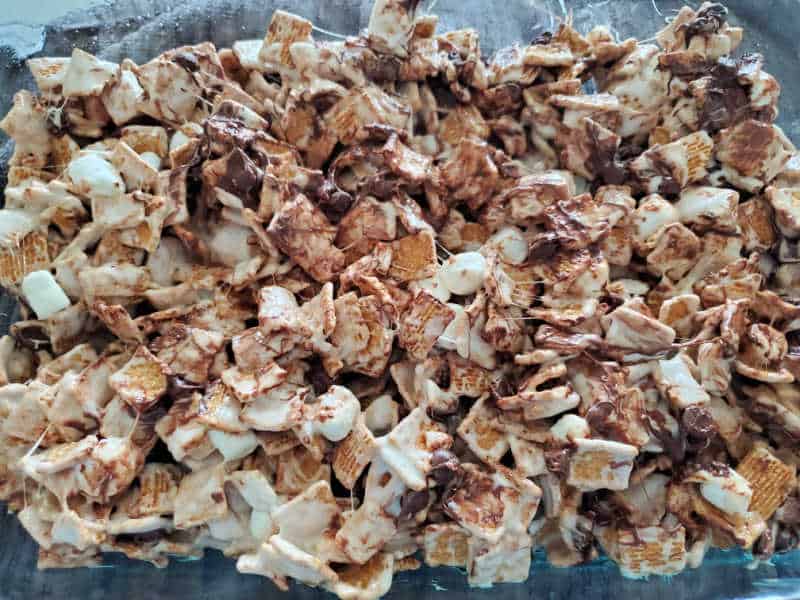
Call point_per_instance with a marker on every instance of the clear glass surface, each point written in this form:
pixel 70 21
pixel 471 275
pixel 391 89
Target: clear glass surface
pixel 140 29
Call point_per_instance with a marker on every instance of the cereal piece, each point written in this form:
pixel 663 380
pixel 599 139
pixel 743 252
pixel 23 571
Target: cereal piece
pixel 508 561
pixel 423 323
pixel 86 75
pixel 598 464
pixel 29 256
pixel 770 479
pixel 678 384
pixel 413 257
pixel 278 559
pixel 751 154
pixel 353 454
pixel 674 165
pixel 297 470
pixel 361 107
pixel 477 430
pixel 493 504
pixel 200 498
pixel 142 380
pixel 284 30
pixel 445 544
pixel 409 448
pixel 303 232
pixel 158 488
pixel 368 529
pixel 647 551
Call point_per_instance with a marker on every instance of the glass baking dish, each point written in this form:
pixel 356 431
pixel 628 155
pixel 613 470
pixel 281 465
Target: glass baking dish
pixel 140 29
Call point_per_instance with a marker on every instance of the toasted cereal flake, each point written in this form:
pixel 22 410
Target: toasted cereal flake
pixel 200 498
pixel 297 470
pixel 303 232
pixel 158 488
pixel 277 442
pixel 423 323
pixel 31 254
pixel 142 380
pixel 493 503
pixel 284 30
pixel 364 106
pixel 647 551
pixel 369 581
pixel 445 544
pixel 508 561
pixel 413 257
pixel 770 479
pixel 598 464
pixel 408 449
pixel 483 438
pixel 353 454
pixel 86 75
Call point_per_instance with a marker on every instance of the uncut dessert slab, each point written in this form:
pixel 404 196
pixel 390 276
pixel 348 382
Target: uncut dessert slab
pixel 637 32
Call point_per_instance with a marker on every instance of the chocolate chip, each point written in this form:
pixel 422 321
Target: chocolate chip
pixel 380 185
pixel 602 159
pixel 412 502
pixel 707 20
pixel 544 246
pixel 501 389
pixel 31 334
pixel 228 132
pixel 241 175
pixel 498 100
pixel 599 414
pixel 669 187
pixel 722 107
pixel 629 151
pixel 557 460
pixel 319 378
pixel 381 67
pixel 446 467
pixel 764 547
pixel 698 423
pixel 685 64
pixel 333 201
pixel 674 447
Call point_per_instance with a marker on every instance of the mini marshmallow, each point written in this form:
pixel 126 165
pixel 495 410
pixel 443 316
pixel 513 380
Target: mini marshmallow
pixel 569 428
pixel 233 446
pixel 730 494
pixel 152 159
pixel 463 273
pixel 338 410
pixel 92 175
pixel 382 414
pixel 434 286
pixel 510 244
pixel 178 139
pixel 86 74
pixel 43 294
